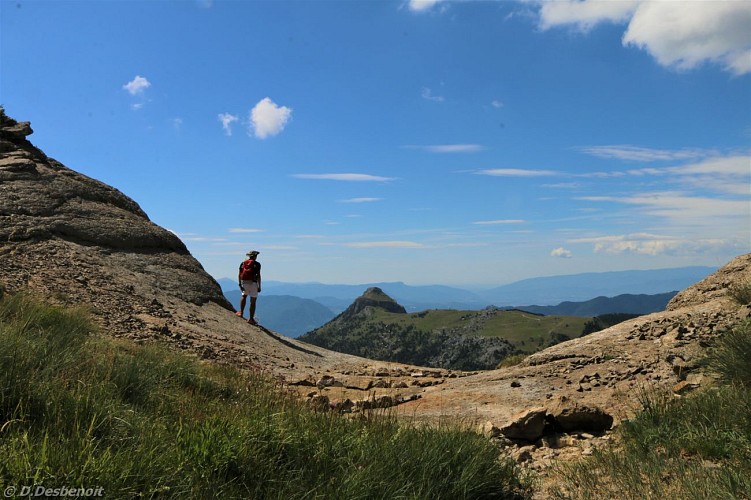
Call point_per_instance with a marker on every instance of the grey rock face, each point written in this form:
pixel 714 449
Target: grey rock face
pixel 71 237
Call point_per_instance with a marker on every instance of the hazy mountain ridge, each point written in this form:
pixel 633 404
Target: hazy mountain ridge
pixel 626 303
pixel 540 291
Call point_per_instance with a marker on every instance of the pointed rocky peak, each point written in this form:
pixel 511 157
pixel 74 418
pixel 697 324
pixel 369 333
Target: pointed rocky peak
pixel 376 298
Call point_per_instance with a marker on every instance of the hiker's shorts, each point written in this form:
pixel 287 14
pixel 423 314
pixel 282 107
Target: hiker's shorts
pixel 250 289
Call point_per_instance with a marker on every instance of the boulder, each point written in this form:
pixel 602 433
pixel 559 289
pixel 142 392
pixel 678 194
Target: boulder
pixel 581 418
pixel 528 425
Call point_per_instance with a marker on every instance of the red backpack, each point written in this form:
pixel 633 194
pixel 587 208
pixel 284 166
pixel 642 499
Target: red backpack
pixel 249 270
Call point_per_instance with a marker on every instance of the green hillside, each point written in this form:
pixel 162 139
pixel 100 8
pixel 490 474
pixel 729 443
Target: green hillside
pixel 527 332
pixel 443 338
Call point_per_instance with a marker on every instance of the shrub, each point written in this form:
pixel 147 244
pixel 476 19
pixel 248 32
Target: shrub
pixel 731 355
pixel 741 292
pixel 511 360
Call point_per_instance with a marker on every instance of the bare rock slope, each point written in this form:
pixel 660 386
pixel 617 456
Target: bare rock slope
pixel 75 240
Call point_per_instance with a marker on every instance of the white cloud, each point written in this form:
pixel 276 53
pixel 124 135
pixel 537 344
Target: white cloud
pixel 345 177
pixel 137 85
pixel 561 252
pixel 686 34
pixel 427 94
pixel 635 153
pixel 360 200
pixel 449 148
pixel 177 123
pixel 681 34
pixel 585 14
pixel 267 119
pixel 422 5
pixel 244 230
pixel 516 172
pixel 385 244
pixel 499 221
pixel 496 104
pixel 652 244
pixel 227 119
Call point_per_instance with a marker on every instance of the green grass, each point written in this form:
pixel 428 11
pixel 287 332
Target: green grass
pixel 82 410
pixel 694 447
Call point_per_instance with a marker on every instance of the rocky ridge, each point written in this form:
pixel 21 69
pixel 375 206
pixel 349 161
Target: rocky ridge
pixel 75 240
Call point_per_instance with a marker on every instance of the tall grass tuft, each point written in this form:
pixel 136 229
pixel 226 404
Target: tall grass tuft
pixel 81 410
pixel 731 356
pixel 695 447
pixel 741 292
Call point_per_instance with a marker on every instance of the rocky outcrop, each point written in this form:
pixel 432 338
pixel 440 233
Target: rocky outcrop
pixel 78 240
pixel 373 297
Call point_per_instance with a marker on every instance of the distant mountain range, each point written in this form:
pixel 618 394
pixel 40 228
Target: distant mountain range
pixel 295 308
pixel 626 303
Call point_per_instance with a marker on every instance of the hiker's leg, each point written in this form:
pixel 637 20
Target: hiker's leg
pixel 252 311
pixel 242 303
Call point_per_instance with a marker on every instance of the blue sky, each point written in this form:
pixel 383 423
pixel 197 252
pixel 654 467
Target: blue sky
pixel 429 142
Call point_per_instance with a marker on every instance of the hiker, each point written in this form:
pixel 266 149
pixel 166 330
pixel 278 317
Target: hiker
pixel 249 279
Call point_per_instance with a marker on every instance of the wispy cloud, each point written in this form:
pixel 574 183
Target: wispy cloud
pixel 564 185
pixel 730 175
pixel 137 85
pixel 385 244
pixel 349 177
pixel 267 119
pixel 674 34
pixel 244 230
pixel 655 244
pixel 499 221
pixel 226 119
pixel 448 148
pixel 635 153
pixel 196 238
pixel 516 172
pixel 360 200
pixel 497 104
pixel 677 206
pixel 427 94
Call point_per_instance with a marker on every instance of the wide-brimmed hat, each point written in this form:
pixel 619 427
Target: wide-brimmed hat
pixel 253 252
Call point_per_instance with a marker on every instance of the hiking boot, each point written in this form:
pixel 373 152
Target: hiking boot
pixel 252 321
